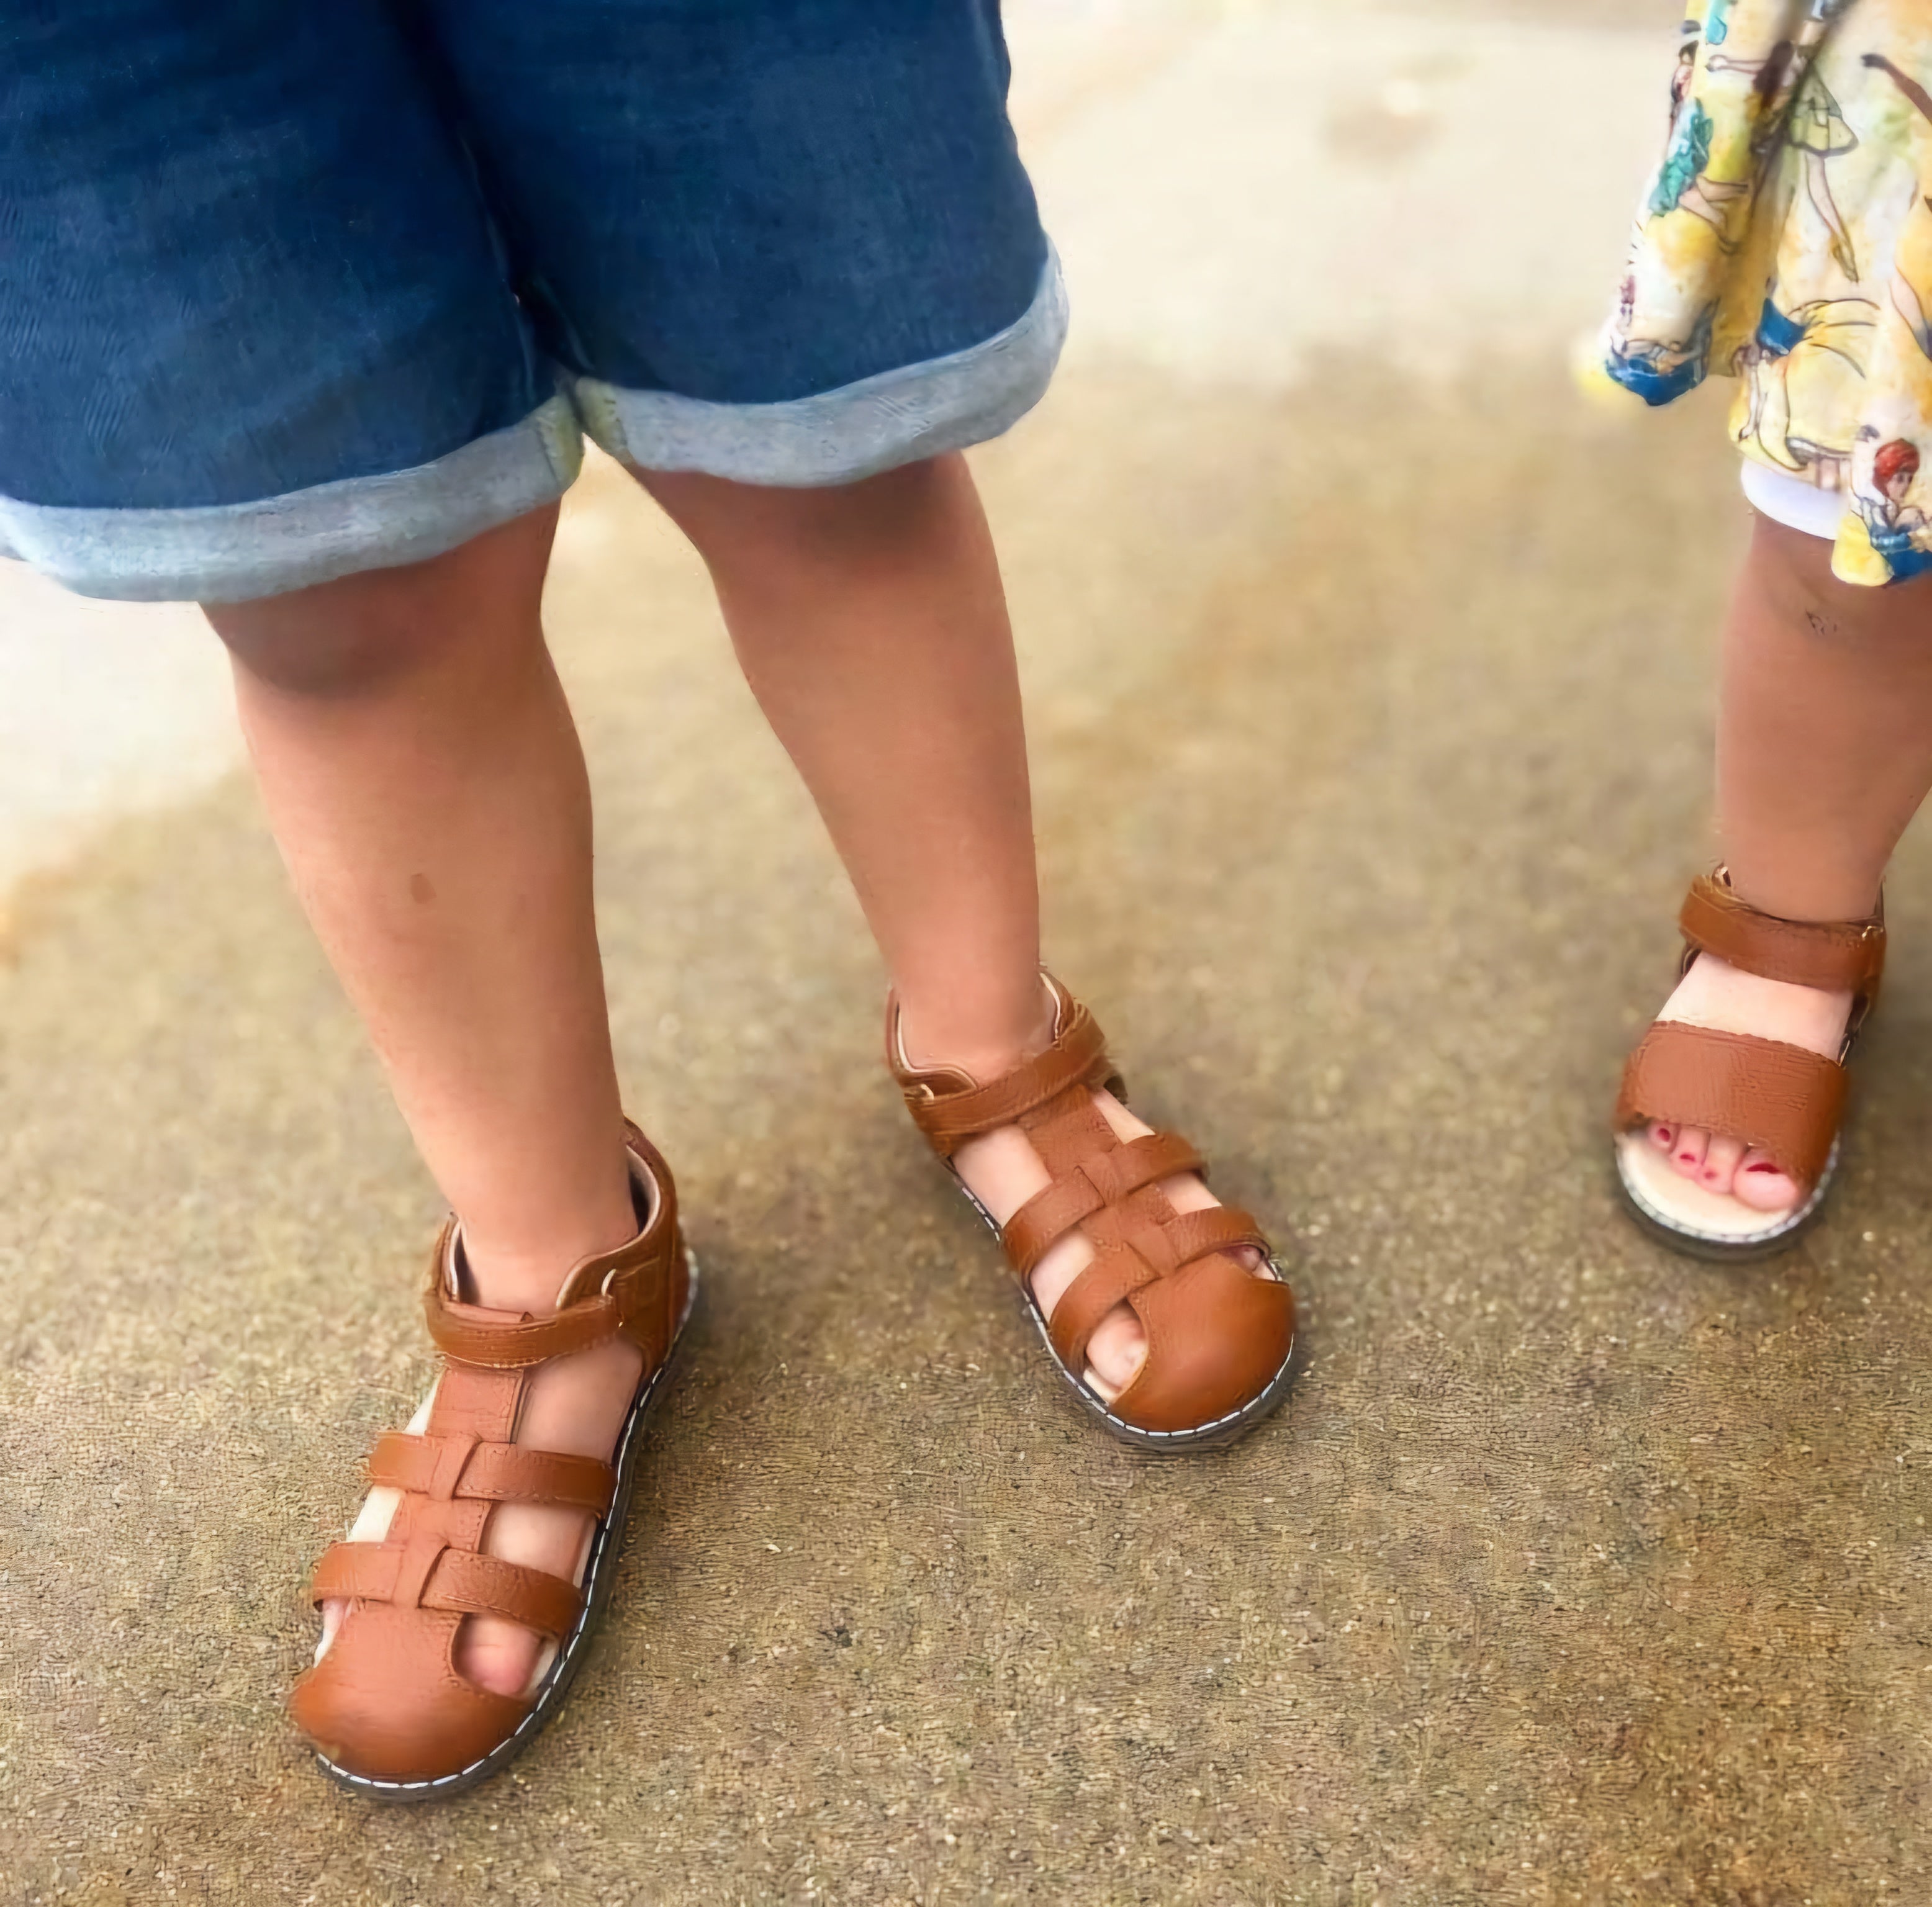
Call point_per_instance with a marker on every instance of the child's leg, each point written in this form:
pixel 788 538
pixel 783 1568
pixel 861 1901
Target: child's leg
pixel 871 624
pixel 1824 755
pixel 422 775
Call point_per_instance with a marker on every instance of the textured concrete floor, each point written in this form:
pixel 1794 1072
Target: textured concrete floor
pixel 1571 1573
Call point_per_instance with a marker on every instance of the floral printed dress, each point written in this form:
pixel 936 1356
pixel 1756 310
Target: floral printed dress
pixel 1786 240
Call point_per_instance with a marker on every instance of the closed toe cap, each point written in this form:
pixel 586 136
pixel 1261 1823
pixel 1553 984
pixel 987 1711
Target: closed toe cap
pixel 1217 1337
pixel 382 1705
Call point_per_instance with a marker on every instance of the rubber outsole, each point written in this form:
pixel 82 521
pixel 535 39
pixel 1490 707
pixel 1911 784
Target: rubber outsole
pixel 1714 1251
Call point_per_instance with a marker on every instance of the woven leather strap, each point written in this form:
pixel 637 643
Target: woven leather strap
pixel 427 1573
pixel 1837 956
pixel 1785 1099
pixel 1101 1179
pixel 449 1466
pixel 1144 1254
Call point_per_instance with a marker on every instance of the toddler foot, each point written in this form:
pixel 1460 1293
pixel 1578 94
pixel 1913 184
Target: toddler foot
pixel 1002 1170
pixel 1729 1000
pixel 455 1611
pixel 574 1404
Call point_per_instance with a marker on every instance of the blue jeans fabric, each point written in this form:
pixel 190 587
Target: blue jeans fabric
pixel 287 291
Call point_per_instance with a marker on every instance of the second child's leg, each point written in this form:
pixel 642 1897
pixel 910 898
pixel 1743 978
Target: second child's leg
pixel 871 624
pixel 422 775
pixel 1824 755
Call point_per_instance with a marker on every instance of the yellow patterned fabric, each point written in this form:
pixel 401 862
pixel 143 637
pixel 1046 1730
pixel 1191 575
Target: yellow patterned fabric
pixel 1786 240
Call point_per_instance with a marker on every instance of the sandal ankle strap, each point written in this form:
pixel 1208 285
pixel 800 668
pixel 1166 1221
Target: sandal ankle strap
pixel 504 1344
pixel 1836 956
pixel 949 1108
pixel 633 1292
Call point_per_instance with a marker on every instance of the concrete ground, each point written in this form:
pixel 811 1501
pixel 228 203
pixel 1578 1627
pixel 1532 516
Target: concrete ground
pixel 1371 716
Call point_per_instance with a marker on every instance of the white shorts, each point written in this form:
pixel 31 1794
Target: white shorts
pixel 1793 502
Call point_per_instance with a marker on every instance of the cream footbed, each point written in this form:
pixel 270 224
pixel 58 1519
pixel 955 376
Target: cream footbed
pixel 1684 1205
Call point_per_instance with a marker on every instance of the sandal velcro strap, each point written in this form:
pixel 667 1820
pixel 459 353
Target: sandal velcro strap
pixel 512 1345
pixel 1838 956
pixel 636 1291
pixel 451 1465
pixel 427 1573
pixel 1077 1057
pixel 1785 1100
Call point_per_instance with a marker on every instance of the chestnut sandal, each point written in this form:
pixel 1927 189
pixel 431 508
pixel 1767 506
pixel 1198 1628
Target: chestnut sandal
pixel 1220 1339
pixel 1785 1099
pixel 391 1714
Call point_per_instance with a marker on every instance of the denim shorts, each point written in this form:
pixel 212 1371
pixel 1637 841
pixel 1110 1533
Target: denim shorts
pixel 290 290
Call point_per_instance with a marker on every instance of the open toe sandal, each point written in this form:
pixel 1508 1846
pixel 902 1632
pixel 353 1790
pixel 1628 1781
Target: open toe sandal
pixel 390 1713
pixel 1220 1339
pixel 1784 1099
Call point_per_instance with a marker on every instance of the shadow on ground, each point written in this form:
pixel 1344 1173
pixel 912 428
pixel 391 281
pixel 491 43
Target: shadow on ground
pixel 1571 1573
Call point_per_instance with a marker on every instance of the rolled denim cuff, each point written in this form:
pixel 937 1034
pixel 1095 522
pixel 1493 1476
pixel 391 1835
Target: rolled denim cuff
pixel 839 436
pixel 235 552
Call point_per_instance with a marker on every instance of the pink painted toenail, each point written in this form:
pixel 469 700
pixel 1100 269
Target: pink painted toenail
pixel 1761 1166
pixel 1689 1158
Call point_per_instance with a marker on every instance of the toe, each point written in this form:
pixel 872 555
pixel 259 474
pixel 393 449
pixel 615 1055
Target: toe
pixel 497 1655
pixel 1663 1136
pixel 1760 1185
pixel 1687 1154
pixel 1721 1163
pixel 1115 1352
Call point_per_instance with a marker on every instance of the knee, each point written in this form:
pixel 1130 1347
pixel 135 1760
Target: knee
pixel 333 641
pixel 361 634
pixel 751 531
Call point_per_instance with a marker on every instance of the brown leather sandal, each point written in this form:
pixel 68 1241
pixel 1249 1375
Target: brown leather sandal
pixel 1220 1339
pixel 1785 1099
pixel 390 1715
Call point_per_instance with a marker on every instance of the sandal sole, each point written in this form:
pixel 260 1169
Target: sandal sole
pixel 600 1575
pixel 1214 1436
pixel 1709 1250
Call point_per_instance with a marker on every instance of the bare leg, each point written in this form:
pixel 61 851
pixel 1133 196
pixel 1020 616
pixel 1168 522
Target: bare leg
pixel 422 775
pixel 871 624
pixel 1824 755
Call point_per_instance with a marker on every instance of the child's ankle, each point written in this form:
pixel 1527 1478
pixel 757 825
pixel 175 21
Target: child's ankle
pixel 1792 888
pixel 985 1047
pixel 505 1276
